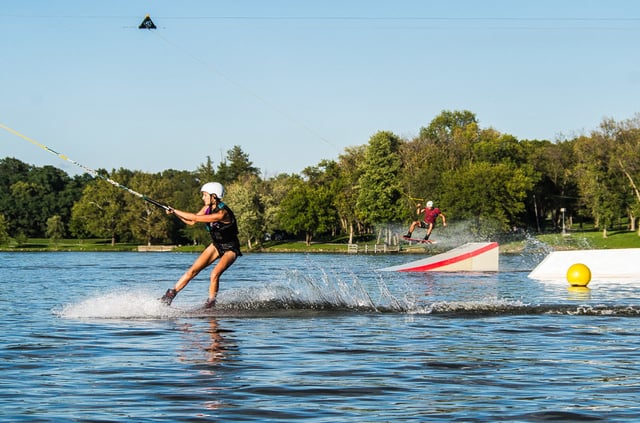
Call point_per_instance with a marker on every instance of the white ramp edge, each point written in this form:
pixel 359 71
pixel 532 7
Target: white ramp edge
pixel 609 265
pixel 470 257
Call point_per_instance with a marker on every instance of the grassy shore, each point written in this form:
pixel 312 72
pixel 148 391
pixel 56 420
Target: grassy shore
pixel 43 244
pixel 570 241
pixel 587 240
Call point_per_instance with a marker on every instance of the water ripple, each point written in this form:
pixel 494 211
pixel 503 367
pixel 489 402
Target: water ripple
pixel 323 339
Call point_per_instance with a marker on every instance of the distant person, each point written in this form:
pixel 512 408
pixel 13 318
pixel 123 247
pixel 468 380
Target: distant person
pixel 222 225
pixel 428 221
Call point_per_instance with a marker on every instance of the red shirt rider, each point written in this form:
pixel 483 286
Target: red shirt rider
pixel 431 214
pixel 429 220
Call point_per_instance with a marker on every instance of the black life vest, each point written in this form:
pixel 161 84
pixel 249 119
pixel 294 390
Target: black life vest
pixel 224 235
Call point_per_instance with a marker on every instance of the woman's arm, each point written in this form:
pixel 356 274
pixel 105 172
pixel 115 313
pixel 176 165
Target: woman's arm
pixel 200 217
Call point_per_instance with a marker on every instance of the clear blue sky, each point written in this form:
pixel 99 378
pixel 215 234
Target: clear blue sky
pixel 294 82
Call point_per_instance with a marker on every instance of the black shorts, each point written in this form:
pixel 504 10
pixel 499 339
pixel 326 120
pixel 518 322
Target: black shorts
pixel 228 246
pixel 424 224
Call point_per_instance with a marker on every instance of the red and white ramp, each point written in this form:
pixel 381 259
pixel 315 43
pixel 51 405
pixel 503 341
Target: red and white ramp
pixel 470 257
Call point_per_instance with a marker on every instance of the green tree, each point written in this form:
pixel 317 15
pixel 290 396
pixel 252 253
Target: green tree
pixel 55 229
pixel 345 191
pixel 324 181
pixel 274 191
pixel 243 197
pixel 443 126
pixel 419 178
pixel 600 181
pixel 35 196
pixel 293 210
pixel 236 165
pixel 206 172
pixel 494 147
pixel 556 185
pixel 183 192
pixel 27 217
pixel 58 193
pixel 379 186
pixel 13 171
pixel 451 135
pixel 626 154
pixel 147 222
pixel 486 193
pixel 322 211
pixel 99 212
pixel 4 233
pixel 321 182
pixel 444 145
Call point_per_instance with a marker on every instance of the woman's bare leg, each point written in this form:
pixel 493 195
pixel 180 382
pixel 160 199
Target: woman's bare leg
pixel 205 258
pixel 226 260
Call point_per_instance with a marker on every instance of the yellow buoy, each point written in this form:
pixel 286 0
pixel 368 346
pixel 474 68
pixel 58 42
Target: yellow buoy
pixel 578 275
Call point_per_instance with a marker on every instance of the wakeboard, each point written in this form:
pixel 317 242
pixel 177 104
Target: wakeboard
pixel 418 240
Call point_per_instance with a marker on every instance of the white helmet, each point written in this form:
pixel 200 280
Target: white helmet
pixel 429 203
pixel 213 188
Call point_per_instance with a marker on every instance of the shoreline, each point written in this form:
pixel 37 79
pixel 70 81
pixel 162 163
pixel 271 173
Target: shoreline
pixel 544 242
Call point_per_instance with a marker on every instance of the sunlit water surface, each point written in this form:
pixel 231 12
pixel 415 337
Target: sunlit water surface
pixel 319 338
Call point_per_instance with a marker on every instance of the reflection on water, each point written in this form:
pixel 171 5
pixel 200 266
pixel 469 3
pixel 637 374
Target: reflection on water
pixel 578 293
pixel 216 349
pixel 207 344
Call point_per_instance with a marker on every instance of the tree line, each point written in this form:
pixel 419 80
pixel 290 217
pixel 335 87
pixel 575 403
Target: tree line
pixel 491 180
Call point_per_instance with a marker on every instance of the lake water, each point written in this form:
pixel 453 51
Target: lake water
pixel 319 338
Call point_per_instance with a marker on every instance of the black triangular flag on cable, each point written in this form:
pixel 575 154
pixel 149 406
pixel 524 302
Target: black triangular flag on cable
pixel 147 23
